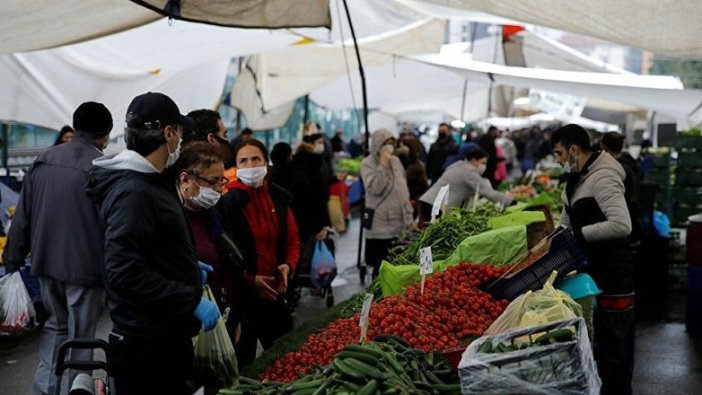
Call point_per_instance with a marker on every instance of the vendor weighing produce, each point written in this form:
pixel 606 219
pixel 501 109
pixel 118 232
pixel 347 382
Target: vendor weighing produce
pixel 464 178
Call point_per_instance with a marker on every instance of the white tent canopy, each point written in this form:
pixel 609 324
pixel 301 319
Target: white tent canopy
pixel 669 27
pixel 36 24
pixel 187 61
pixel 276 79
pixel 660 93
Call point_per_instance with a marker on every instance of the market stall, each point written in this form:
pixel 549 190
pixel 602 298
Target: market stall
pixel 414 325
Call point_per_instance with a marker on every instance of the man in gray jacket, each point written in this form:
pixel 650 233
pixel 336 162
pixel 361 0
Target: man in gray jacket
pixel 596 211
pixel 58 224
pixel 387 194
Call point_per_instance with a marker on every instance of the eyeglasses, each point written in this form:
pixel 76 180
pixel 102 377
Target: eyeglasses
pixel 212 181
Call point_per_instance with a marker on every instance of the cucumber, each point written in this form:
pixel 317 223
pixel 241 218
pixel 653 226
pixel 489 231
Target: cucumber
pixel 364 357
pixel 386 337
pixel 301 385
pixel 363 350
pixel 341 367
pixel 432 377
pixel 323 388
pixel 365 369
pixel 558 335
pixel 369 388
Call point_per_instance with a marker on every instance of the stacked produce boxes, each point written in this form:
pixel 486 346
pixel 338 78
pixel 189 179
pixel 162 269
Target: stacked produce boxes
pixel 660 175
pixel 687 194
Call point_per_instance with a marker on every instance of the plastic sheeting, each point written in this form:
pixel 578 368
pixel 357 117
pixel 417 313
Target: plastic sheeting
pixel 279 77
pixel 246 13
pixel 660 93
pixel 187 61
pixel 668 27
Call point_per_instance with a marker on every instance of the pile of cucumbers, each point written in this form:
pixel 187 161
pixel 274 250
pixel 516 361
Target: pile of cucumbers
pixel 552 337
pixel 388 365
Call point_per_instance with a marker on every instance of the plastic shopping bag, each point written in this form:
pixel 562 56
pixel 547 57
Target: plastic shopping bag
pixel 535 308
pixel 323 269
pixel 214 351
pixel 17 313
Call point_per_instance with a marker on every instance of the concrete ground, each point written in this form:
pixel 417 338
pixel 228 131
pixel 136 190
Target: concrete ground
pixel 668 361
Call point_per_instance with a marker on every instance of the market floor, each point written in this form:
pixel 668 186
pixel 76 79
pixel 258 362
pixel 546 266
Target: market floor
pixel 668 361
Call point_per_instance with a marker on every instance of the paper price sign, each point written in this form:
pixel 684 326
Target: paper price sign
pixel 426 263
pixel 441 199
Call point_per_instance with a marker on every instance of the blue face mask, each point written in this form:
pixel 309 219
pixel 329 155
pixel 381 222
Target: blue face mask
pixel 567 166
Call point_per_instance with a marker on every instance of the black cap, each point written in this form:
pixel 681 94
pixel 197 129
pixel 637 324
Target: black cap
pixel 92 118
pixel 158 109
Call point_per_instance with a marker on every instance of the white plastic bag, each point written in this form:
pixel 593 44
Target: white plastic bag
pixel 214 351
pixel 17 313
pixel 564 366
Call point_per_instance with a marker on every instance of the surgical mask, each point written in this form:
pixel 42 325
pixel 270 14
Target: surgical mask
pixel 481 169
pixel 567 166
pixel 207 198
pixel 389 148
pixel 252 176
pixel 318 149
pixel 173 156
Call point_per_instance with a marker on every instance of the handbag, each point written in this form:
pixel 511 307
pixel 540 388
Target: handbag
pixel 368 212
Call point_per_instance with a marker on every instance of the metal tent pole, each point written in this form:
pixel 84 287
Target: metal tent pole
pixel 366 145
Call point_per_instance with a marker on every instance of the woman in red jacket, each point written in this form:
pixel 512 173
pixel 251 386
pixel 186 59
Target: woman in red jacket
pixel 258 214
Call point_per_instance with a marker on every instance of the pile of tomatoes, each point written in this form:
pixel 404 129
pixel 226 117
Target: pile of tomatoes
pixel 450 312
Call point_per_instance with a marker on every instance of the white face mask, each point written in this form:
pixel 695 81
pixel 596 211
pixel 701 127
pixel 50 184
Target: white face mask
pixel 567 167
pixel 482 168
pixel 318 149
pixel 389 148
pixel 252 176
pixel 207 198
pixel 173 156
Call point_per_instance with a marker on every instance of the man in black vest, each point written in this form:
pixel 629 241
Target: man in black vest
pixel 596 211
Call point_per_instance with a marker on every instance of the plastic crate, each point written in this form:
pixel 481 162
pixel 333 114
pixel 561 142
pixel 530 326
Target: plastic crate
pixel 688 195
pixel 684 141
pixel 660 178
pixel 662 160
pixel 564 255
pixel 691 177
pixel 560 368
pixel 689 158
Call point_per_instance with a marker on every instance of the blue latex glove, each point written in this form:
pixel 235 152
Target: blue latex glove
pixel 205 268
pixel 207 313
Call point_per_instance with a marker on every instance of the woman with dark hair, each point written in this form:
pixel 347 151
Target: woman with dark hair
pixel 65 135
pixel 465 180
pixel 417 180
pixel 200 182
pixel 266 231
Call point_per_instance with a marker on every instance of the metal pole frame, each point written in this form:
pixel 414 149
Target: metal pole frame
pixel 366 145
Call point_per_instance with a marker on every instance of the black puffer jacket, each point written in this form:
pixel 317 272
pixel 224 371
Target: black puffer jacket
pixel 151 274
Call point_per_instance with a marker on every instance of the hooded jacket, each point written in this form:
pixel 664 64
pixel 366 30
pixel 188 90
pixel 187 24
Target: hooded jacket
pixel 386 192
pixel 151 273
pixel 463 179
pixel 595 209
pixel 55 220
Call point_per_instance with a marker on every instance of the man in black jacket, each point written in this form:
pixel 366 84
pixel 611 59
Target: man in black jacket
pixel 444 146
pixel 56 222
pixel 595 210
pixel 153 281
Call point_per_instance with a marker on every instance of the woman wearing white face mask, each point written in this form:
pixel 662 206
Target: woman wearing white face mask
pixel 464 178
pixel 200 182
pixel 264 228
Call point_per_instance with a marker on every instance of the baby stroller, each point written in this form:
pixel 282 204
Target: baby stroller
pixel 91 385
pixel 302 278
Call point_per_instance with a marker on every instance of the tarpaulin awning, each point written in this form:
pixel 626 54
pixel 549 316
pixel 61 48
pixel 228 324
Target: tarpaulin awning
pixel 246 13
pixel 669 27
pixel 660 93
